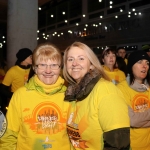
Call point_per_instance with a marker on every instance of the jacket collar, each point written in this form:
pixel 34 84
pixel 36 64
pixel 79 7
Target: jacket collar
pixel 82 90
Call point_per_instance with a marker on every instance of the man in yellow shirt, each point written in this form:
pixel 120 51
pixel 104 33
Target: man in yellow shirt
pixel 17 75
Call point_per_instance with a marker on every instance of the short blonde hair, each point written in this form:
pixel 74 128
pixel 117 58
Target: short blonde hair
pixel 90 55
pixel 46 51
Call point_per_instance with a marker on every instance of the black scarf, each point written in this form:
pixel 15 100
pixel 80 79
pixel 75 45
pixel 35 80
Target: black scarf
pixel 24 67
pixel 82 90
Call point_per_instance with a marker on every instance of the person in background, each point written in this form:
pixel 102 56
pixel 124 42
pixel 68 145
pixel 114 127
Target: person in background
pixel 121 52
pixel 2 71
pixel 146 48
pixel 37 111
pixel 137 96
pixel 109 64
pixel 120 64
pixel 16 76
pixel 98 115
pixel 2 74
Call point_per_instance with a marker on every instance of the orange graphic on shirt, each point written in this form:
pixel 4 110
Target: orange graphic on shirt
pixel 140 103
pixel 74 132
pixel 25 78
pixel 117 78
pixel 46 118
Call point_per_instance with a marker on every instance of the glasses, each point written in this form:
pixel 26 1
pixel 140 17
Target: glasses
pixel 52 66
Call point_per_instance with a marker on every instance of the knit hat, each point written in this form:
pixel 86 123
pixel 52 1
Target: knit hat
pixel 135 57
pixel 23 53
pixel 146 48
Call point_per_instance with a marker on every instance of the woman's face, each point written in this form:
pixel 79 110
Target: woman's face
pixel 77 63
pixel 47 74
pixel 109 59
pixel 140 70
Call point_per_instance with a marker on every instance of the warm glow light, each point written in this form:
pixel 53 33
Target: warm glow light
pixel 121 10
pixel 86 25
pixel 140 13
pixel 129 12
pixel 110 6
pixel 52 16
pixel 116 16
pixel 70 31
pixel 61 33
pixel 83 15
pixel 37 38
pixel 135 13
pixel 63 13
pixel 100 23
pixel 133 9
pixel 77 24
pixel 43 33
pixel 66 21
pixel 38 31
pixel 3 37
pixel 129 16
pixel 39 8
pixel 101 16
pixel 110 2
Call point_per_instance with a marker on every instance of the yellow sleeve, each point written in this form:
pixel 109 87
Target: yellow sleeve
pixel 125 92
pixel 8 78
pixel 9 140
pixel 112 109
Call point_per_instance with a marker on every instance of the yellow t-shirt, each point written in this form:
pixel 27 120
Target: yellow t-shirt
pixel 2 74
pixel 139 101
pixel 116 76
pixel 16 77
pixel 104 109
pixel 38 119
pixel 126 61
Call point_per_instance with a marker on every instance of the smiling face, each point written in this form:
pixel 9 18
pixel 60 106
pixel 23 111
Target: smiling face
pixel 47 76
pixel 77 63
pixel 140 70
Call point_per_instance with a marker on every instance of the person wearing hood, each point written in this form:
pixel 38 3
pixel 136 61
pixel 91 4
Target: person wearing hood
pixel 17 75
pixel 137 95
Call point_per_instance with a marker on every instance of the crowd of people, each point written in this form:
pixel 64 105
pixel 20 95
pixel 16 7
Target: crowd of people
pixel 77 101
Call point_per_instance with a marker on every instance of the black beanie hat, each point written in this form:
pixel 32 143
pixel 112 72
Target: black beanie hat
pixel 146 48
pixel 135 57
pixel 23 53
